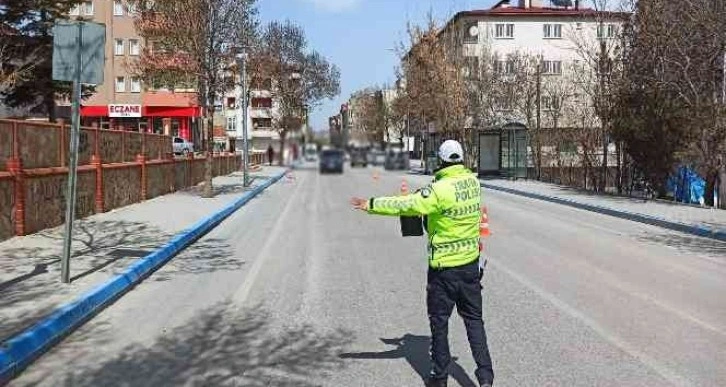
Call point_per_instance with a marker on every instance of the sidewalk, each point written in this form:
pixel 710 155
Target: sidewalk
pixel 103 246
pixel 680 217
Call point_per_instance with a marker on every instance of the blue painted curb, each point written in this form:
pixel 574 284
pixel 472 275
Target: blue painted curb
pixel 698 230
pixel 18 352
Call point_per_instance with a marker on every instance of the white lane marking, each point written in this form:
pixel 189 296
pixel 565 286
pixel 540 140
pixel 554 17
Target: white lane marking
pixel 660 369
pixel 631 290
pixel 282 224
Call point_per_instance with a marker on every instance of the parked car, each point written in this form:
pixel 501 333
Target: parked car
pixel 396 160
pixel 332 160
pixel 376 157
pixel 358 157
pixel 311 152
pixel 182 146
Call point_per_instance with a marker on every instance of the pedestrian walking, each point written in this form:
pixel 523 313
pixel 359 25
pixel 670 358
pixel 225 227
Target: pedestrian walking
pixel 270 154
pixel 451 210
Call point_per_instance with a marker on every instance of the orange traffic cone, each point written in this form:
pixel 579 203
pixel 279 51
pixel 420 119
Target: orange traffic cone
pixel 483 228
pixel 484 223
pixel 404 187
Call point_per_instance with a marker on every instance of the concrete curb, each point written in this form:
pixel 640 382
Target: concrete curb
pixel 20 351
pixel 698 230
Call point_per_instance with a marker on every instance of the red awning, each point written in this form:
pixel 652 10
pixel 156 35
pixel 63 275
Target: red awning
pixel 147 111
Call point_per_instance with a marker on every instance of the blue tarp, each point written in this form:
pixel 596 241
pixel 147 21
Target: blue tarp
pixel 687 186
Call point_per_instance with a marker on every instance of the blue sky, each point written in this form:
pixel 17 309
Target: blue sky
pixel 358 36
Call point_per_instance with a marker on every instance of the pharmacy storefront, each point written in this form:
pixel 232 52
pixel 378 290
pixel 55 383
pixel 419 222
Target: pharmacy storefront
pixel 180 121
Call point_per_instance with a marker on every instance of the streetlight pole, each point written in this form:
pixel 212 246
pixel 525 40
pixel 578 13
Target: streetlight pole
pixel 242 64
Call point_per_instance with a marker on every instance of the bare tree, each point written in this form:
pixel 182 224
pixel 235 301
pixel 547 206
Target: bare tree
pixel 193 43
pixel 380 113
pixel 300 78
pixel 434 90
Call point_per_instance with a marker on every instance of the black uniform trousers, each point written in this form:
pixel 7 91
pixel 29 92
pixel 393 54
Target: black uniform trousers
pixel 458 286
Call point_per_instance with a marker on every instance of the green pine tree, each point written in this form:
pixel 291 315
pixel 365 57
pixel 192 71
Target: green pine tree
pixel 28 26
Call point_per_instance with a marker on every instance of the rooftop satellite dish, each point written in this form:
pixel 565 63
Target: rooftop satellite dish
pixel 473 30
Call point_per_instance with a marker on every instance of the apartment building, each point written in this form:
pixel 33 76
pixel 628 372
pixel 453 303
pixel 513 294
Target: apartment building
pixel 123 101
pixel 262 110
pixel 358 135
pixel 557 34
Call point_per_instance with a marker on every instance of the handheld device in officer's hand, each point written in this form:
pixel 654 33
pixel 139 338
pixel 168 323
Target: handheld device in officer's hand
pixel 411 226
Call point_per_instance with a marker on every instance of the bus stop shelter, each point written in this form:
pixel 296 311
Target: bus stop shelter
pixel 503 151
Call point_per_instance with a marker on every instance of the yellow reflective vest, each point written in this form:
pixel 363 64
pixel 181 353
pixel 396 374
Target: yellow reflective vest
pixel 452 207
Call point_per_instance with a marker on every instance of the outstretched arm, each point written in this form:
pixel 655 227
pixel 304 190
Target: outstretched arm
pixel 422 202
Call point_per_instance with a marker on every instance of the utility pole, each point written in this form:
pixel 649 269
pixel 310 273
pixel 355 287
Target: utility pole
pixel 242 64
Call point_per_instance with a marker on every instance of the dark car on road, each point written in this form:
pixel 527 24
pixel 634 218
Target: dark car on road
pixel 396 160
pixel 358 157
pixel 331 161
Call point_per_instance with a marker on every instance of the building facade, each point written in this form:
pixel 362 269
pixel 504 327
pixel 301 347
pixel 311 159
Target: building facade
pixel 561 40
pixel 123 101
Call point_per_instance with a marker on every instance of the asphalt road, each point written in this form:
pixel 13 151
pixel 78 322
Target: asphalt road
pixel 303 291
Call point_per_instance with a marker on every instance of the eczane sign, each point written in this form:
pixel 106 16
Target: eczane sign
pixel 121 111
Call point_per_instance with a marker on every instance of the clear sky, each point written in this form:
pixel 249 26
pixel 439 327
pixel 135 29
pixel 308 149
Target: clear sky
pixel 359 36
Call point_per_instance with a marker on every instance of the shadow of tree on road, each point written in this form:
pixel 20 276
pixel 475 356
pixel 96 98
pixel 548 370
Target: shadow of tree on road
pixel 30 268
pixel 415 349
pixel 689 244
pixel 222 346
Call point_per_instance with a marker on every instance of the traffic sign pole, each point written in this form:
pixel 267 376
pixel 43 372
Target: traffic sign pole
pixel 73 164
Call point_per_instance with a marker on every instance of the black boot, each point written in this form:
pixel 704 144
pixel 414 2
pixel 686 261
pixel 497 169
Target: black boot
pixel 431 382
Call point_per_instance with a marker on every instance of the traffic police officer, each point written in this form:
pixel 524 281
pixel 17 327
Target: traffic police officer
pixel 451 205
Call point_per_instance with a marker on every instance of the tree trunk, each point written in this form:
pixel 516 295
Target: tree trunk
pixel 49 101
pixel 604 178
pixel 722 189
pixel 711 181
pixel 281 153
pixel 208 188
pixel 619 170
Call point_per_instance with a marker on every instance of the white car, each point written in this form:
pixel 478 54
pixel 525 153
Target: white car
pixel 182 146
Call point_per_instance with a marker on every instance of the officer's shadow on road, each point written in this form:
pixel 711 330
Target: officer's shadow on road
pixel 415 349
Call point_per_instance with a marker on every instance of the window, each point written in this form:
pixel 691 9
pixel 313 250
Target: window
pixel 606 31
pixel 232 124
pixel 504 66
pixel 76 10
pixel 231 102
pixel 262 84
pixel 134 48
pixel 503 103
pixel 88 8
pixel 552 67
pixel 612 30
pixel 118 8
pixel 553 31
pixel 547 103
pixel 262 103
pixel 119 48
pixel 120 84
pixel 135 85
pixel 262 123
pixel 504 31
